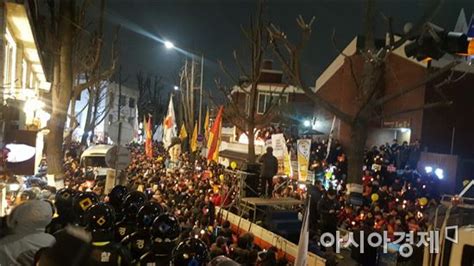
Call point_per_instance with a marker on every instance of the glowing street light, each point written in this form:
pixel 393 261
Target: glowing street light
pixel 169 45
pixel 176 88
pixel 307 123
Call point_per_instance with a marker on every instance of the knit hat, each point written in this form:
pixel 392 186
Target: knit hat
pixel 30 216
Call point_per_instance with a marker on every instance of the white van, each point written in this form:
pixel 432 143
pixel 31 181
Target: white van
pixel 94 157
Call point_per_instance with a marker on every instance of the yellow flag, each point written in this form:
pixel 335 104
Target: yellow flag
pixel 182 133
pixel 194 139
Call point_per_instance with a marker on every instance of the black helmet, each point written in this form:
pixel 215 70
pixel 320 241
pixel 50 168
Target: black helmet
pixel 191 251
pixel 63 200
pixel 165 228
pixel 100 216
pixel 100 219
pixel 147 214
pixel 117 195
pixel 81 203
pixel 132 204
pixel 135 197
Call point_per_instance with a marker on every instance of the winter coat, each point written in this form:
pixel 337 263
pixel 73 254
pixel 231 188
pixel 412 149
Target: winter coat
pixel 27 223
pixel 269 165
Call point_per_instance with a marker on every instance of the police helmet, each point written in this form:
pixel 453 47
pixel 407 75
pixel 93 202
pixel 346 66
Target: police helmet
pixel 63 199
pixel 191 251
pixel 165 228
pixel 81 203
pixel 147 214
pixel 117 195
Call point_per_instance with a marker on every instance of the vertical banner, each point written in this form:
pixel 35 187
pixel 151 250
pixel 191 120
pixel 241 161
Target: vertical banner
pixel 280 151
pixel 303 150
pixel 278 142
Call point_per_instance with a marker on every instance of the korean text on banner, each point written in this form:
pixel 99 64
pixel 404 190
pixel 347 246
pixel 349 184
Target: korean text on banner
pixel 303 150
pixel 280 151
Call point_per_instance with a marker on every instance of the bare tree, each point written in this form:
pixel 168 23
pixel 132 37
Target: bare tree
pixel 98 108
pixel 371 96
pixel 188 80
pixel 67 31
pixel 150 100
pixel 243 114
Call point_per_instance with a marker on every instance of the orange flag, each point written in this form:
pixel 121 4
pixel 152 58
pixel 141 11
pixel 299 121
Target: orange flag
pixel 148 140
pixel 215 137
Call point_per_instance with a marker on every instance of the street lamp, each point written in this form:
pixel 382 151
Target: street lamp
pixel 169 45
pixel 176 88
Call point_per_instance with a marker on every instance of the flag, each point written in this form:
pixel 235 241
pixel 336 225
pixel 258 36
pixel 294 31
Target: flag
pixel 302 255
pixel 206 125
pixel 148 135
pixel 182 133
pixel 194 137
pixel 330 137
pixel 215 137
pixel 169 125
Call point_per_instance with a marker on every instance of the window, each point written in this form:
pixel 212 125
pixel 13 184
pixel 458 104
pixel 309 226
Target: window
pixel 122 100
pixel 266 100
pixel 131 102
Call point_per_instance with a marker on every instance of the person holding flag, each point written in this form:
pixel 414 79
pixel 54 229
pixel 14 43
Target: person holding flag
pixel 169 125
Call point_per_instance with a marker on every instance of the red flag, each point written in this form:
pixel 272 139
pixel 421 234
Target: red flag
pixel 215 137
pixel 148 140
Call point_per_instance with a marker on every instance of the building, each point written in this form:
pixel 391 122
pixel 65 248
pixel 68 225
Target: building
pixel 294 106
pixel 25 76
pixel 108 108
pixel 450 130
pixel 337 86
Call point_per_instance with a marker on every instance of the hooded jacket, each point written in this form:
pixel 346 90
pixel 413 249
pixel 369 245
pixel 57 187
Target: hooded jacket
pixel 27 224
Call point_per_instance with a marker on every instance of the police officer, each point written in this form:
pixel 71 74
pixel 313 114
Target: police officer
pixel 191 251
pixel 63 203
pixel 80 204
pixel 130 207
pixel 100 222
pixel 116 197
pixel 165 232
pixel 139 242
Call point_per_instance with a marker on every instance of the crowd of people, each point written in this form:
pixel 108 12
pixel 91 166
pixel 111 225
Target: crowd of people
pixel 159 216
pixel 162 215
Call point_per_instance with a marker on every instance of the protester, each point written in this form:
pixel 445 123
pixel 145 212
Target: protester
pixel 269 169
pixel 26 223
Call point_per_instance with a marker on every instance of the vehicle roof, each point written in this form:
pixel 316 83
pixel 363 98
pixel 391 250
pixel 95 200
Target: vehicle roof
pixel 96 150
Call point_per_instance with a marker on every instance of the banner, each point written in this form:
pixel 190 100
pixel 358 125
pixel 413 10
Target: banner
pixel 280 151
pixel 303 150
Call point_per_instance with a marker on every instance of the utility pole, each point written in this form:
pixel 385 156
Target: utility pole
pixel 200 94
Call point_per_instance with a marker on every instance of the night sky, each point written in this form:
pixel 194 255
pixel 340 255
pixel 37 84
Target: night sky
pixel 213 28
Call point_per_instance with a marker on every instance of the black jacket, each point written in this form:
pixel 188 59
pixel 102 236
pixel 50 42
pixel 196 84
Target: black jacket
pixel 269 165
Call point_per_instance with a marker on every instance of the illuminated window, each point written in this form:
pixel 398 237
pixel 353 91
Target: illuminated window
pixel 266 100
